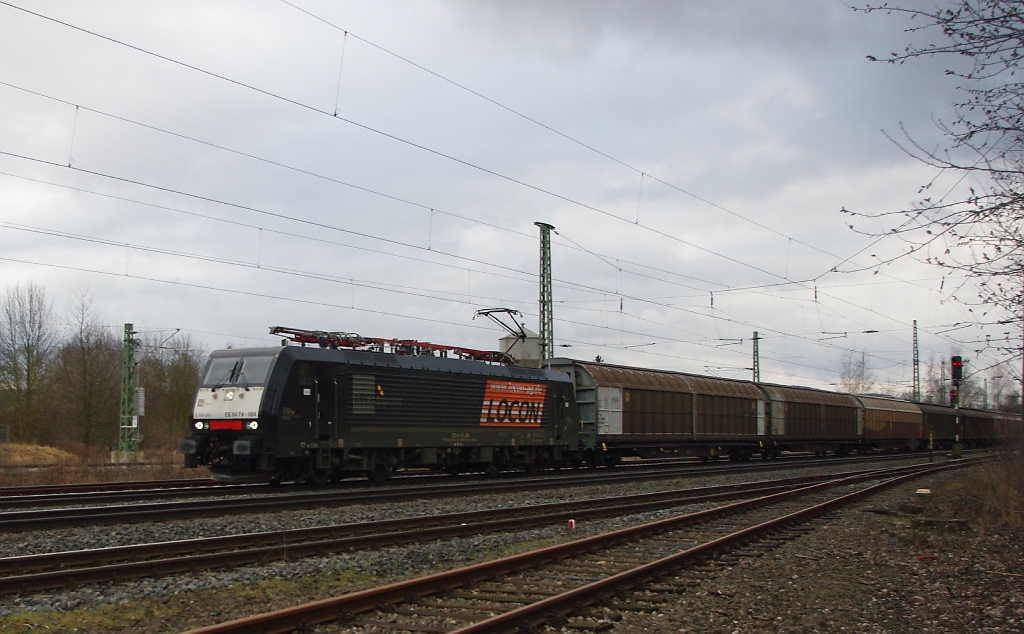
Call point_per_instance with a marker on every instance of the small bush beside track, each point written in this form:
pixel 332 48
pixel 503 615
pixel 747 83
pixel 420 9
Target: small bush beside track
pixel 990 495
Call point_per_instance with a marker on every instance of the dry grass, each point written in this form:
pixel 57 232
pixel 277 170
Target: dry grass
pixel 26 465
pixel 990 495
pixel 18 454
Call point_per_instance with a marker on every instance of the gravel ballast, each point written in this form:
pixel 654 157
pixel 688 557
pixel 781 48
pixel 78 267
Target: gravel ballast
pixel 859 570
pixel 865 569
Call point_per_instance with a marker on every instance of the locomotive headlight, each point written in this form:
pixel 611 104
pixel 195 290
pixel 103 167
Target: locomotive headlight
pixel 253 425
pixel 199 425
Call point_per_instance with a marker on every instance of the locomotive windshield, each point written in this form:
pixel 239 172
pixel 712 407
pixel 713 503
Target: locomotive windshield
pixel 237 371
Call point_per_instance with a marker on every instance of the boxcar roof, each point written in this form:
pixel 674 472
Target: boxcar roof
pixel 935 408
pixel 606 375
pixel 808 395
pixel 888 404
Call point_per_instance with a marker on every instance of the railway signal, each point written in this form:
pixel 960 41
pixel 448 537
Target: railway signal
pixel 957 364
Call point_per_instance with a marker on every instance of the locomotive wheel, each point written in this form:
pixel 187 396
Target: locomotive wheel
pixel 277 478
pixel 379 474
pixel 319 477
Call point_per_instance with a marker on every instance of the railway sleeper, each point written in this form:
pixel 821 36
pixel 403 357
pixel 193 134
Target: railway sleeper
pixel 591 626
pixel 408 627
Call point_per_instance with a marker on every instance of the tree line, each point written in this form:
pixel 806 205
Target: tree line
pixel 993 388
pixel 61 375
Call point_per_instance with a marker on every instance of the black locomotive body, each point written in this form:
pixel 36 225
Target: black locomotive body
pixel 315 414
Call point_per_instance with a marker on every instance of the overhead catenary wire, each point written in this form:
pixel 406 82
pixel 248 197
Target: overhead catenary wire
pixel 642 173
pixel 718 317
pixel 320 303
pixel 658 232
pixel 368 190
pixel 390 136
pixel 405 290
pixel 317 224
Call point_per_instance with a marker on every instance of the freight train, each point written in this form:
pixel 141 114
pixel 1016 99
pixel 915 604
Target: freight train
pixel 338 404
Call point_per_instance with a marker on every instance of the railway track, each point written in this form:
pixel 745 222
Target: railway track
pixel 49 511
pixel 557 584
pixel 15 492
pixel 33 573
pixel 140 490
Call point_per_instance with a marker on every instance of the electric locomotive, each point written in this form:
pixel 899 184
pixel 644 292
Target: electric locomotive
pixel 319 413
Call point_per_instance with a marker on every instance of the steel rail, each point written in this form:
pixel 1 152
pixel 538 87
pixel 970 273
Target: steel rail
pixel 50 518
pixel 562 603
pixel 94 487
pixel 30 573
pixel 325 610
pixel 110 492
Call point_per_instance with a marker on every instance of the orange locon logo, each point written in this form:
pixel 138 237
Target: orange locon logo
pixel 511 404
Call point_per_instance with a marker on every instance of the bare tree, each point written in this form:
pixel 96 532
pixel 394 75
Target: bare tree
pixel 27 339
pixel 87 377
pixel 980 234
pixel 169 371
pixel 938 383
pixel 854 375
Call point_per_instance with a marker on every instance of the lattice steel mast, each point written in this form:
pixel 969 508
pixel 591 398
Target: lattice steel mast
pixel 128 439
pixel 757 360
pixel 547 327
pixel 917 367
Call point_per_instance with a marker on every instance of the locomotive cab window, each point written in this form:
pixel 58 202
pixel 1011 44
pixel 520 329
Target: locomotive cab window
pixel 303 374
pixel 237 371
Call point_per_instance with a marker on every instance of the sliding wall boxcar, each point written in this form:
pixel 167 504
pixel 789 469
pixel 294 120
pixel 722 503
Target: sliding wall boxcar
pixel 633 408
pixel 803 418
pixel 890 423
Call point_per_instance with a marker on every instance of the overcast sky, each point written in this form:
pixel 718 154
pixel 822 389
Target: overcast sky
pixel 224 167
